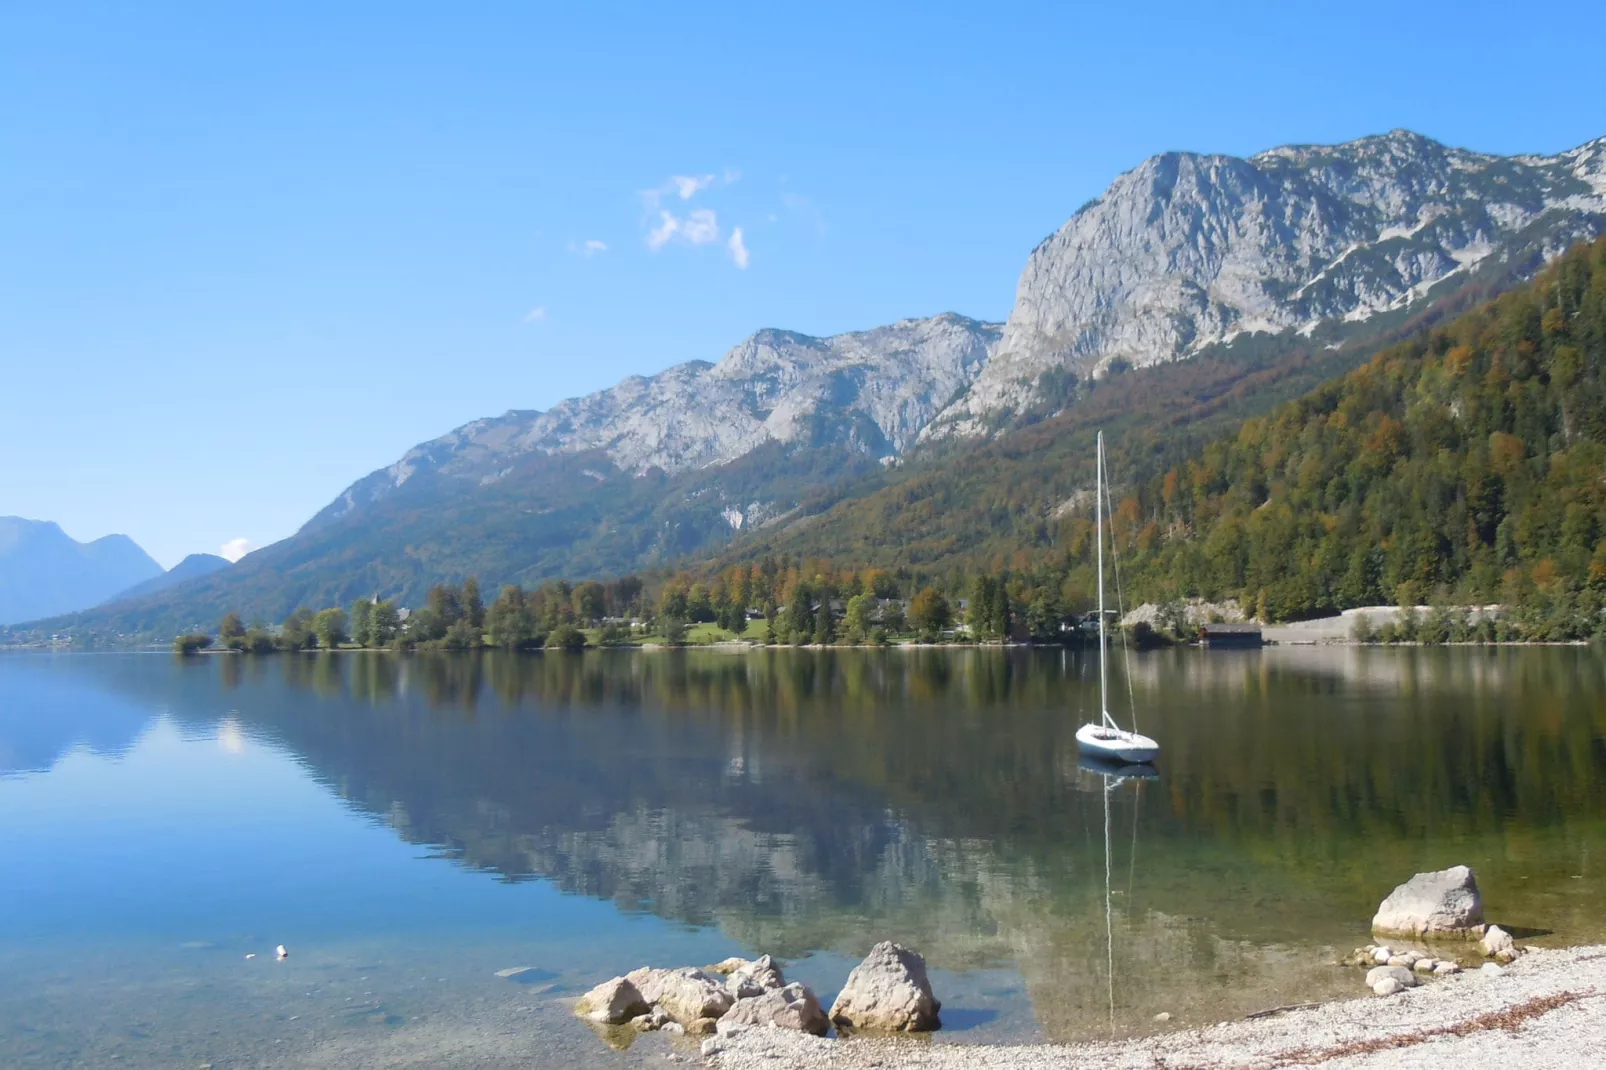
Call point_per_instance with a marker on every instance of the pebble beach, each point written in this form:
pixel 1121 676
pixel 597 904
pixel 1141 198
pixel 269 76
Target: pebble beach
pixel 1547 1009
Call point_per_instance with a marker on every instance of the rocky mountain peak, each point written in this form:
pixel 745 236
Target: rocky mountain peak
pixel 873 391
pixel 1187 250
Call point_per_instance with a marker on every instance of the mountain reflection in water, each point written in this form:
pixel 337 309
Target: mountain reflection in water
pixel 808 800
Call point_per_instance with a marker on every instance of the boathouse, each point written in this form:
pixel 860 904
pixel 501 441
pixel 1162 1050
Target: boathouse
pixel 1233 635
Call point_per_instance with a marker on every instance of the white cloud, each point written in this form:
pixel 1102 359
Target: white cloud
pixel 699 227
pixel 235 549
pixel 738 248
pixel 685 187
pixel 689 186
pixel 536 314
pixel 667 228
pixel 593 247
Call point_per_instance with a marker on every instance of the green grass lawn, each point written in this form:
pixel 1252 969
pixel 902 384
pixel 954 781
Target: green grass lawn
pixel 707 633
pixel 696 635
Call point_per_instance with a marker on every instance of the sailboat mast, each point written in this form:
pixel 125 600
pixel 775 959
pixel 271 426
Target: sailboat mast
pixel 1098 522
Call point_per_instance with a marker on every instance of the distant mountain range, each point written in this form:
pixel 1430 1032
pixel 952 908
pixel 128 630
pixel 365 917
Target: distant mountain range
pixel 44 571
pixel 192 567
pixel 1271 270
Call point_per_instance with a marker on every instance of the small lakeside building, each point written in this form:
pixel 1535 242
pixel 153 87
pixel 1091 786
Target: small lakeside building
pixel 1231 635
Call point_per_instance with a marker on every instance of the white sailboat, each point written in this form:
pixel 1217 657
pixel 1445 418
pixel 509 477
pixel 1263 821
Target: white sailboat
pixel 1107 740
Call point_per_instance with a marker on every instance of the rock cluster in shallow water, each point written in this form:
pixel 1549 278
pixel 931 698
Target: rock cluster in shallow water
pixel 1444 905
pixel 887 992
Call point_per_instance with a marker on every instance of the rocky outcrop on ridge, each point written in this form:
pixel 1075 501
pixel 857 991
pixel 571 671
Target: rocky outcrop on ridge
pixel 873 391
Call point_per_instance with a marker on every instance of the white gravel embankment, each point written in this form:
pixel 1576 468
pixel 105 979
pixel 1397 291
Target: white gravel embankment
pixel 1548 1009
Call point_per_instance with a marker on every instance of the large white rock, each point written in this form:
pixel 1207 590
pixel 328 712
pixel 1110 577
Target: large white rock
pixel 791 1007
pixel 1444 903
pixel 888 991
pixel 612 1002
pixel 685 994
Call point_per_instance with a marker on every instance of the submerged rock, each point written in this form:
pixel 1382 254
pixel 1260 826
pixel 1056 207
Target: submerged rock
pixel 612 1002
pixel 888 991
pixel 685 994
pixel 1498 945
pixel 646 1023
pixel 727 967
pixel 1405 977
pixel 792 1007
pixel 1445 903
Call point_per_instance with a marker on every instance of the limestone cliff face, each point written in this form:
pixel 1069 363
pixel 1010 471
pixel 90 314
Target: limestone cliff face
pixel 1187 250
pixel 872 391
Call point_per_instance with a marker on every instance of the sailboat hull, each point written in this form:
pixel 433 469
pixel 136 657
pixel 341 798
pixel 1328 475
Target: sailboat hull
pixel 1114 745
pixel 1116 770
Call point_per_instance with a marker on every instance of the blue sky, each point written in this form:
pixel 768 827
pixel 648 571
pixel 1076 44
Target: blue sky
pixel 251 252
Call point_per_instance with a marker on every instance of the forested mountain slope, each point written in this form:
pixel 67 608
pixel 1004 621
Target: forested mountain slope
pixel 1465 465
pixel 1004 503
pixel 1470 462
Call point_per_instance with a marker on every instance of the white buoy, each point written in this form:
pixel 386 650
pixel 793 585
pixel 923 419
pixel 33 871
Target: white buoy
pixel 281 952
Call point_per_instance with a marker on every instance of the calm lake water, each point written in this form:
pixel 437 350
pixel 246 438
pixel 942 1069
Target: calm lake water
pixel 409 826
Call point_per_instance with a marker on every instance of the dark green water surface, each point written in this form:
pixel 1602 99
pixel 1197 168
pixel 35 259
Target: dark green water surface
pixel 408 826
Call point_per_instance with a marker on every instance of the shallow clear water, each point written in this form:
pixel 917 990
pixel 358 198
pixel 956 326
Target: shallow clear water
pixel 410 826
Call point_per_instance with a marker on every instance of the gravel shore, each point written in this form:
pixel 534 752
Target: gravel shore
pixel 1548 1009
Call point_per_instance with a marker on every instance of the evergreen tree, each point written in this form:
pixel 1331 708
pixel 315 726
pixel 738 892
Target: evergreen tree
pixel 362 622
pixel 231 633
pixel 473 604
